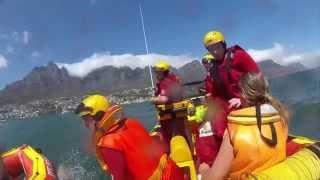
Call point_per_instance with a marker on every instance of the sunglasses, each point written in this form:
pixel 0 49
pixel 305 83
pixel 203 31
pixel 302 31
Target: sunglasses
pixel 206 61
pixel 82 110
pixel 214 47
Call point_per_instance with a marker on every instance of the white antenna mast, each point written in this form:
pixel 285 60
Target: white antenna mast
pixel 146 45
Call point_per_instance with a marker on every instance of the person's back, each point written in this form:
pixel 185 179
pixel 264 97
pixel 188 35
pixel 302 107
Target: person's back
pixel 123 146
pixel 256 136
pixel 257 146
pixel 141 152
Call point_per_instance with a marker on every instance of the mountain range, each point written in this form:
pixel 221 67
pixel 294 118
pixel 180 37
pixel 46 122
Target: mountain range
pixel 51 81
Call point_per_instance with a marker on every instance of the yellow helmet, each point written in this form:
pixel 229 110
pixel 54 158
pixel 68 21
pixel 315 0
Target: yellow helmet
pixel 162 66
pixel 93 104
pixel 213 36
pixel 207 58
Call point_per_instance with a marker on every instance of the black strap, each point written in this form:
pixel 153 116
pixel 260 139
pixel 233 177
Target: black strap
pixel 193 83
pixel 273 141
pixel 315 148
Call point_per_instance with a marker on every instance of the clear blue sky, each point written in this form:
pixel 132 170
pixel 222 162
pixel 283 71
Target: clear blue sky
pixel 34 32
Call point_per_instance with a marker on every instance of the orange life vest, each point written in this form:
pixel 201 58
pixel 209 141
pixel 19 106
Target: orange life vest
pixel 144 158
pixel 254 149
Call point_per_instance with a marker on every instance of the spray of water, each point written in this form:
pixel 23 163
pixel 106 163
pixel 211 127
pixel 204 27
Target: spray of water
pixel 74 167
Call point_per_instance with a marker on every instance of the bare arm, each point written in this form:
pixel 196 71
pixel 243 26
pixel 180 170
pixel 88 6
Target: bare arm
pixel 161 99
pixel 221 166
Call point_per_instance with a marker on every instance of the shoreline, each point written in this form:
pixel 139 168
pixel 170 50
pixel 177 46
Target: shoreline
pixel 62 105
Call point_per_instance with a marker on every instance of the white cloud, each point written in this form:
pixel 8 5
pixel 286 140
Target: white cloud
pixel 97 60
pixel 3 62
pixel 26 37
pixel 283 55
pixel 278 53
pixel 275 53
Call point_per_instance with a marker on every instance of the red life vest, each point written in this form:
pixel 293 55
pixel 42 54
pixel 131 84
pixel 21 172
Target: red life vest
pixel 235 65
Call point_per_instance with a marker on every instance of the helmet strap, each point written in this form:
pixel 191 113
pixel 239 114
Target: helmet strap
pixel 110 117
pixel 166 73
pixel 98 116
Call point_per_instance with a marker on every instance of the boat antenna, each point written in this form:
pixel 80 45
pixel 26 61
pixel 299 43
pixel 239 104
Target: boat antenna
pixel 146 45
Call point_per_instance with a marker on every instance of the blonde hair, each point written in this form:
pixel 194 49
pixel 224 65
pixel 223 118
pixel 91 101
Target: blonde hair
pixel 255 90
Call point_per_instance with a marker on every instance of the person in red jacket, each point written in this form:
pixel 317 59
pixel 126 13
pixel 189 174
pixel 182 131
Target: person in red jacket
pixel 232 64
pixel 169 90
pixel 208 63
pixel 123 146
pixel 207 143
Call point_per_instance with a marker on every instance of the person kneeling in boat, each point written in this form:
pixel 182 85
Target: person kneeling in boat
pixel 255 138
pixel 123 146
pixel 28 162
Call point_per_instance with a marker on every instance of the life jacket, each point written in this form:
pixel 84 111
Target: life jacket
pixel 226 75
pixel 167 112
pixel 258 136
pixel 25 160
pixel 145 159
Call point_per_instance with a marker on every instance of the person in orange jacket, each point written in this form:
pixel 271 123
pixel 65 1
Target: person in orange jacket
pixel 123 146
